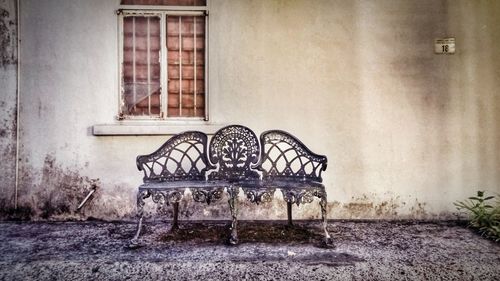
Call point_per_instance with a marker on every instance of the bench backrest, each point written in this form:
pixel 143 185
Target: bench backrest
pixel 235 150
pixel 284 156
pixel 182 157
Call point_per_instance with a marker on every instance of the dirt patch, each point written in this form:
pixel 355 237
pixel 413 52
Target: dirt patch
pixel 404 250
pixel 248 232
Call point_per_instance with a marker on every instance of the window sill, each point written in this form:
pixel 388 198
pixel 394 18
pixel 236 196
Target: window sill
pixel 152 128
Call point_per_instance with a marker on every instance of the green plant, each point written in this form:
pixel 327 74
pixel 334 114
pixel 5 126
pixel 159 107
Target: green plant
pixel 483 216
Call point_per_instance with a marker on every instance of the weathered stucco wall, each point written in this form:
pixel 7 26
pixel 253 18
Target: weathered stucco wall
pixel 407 132
pixel 8 91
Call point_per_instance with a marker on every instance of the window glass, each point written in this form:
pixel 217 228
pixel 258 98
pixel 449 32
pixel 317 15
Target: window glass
pixel 186 67
pixel 163 61
pixel 141 65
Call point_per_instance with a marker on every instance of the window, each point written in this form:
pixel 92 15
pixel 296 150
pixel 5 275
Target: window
pixel 163 55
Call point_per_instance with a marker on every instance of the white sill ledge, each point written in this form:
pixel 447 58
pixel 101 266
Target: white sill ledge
pixel 152 129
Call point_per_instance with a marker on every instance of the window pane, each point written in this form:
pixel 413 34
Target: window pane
pixel 141 65
pixel 186 67
pixel 165 2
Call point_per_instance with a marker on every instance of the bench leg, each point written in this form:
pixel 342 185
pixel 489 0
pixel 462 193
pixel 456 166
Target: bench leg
pixel 139 227
pixel 141 195
pixel 233 206
pixel 289 213
pixel 175 224
pixel 322 203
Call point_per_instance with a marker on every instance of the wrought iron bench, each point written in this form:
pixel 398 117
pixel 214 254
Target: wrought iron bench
pixel 235 162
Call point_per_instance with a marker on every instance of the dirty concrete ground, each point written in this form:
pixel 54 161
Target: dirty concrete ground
pixel 268 251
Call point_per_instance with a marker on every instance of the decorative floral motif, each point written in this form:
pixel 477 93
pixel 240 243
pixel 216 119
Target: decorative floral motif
pixel 234 148
pixel 234 153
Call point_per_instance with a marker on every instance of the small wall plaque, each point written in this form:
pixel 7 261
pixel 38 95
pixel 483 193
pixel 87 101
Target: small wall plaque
pixel 444 45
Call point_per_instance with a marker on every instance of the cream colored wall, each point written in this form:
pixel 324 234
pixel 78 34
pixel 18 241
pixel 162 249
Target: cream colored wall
pixel 407 132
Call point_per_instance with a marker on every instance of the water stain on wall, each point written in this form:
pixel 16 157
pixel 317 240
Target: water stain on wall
pixel 59 192
pixel 8 110
pixel 418 209
pixel 8 128
pixel 7 38
pixel 55 191
pixel 8 212
pixel 61 189
pixel 365 207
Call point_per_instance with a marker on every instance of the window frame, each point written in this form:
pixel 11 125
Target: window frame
pixel 162 12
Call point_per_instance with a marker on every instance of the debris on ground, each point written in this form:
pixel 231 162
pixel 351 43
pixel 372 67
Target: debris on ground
pixel 268 250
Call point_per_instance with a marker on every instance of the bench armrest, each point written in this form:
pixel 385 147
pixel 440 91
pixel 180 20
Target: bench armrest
pixel 285 156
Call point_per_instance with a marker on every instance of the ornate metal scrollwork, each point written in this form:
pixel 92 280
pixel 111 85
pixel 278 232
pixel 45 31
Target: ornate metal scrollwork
pixel 234 153
pixel 284 156
pixel 163 197
pixel 235 149
pixel 259 195
pixel 182 157
pixel 301 196
pixel 159 197
pixel 183 162
pixel 207 195
pixel 175 196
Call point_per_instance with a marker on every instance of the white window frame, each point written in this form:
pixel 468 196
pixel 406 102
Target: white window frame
pixel 162 12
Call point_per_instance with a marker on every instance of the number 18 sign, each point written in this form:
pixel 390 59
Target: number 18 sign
pixel 444 45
